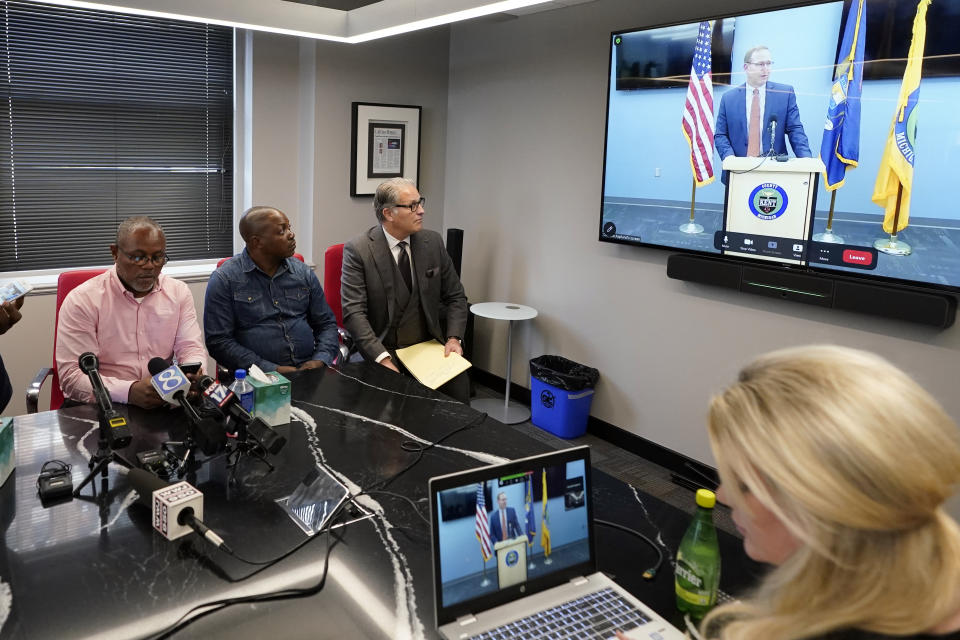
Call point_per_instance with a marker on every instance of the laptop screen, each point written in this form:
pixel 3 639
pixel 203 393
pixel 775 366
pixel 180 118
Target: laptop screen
pixel 505 531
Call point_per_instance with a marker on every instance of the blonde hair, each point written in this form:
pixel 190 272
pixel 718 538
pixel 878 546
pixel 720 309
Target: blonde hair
pixel 856 460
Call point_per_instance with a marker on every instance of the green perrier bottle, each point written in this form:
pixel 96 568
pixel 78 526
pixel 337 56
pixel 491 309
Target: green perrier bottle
pixel 698 561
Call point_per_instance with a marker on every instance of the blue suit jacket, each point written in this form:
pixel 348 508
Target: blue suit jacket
pixel 513 525
pixel 731 131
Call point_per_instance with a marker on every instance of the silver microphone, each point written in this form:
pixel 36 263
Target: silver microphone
pixel 773 134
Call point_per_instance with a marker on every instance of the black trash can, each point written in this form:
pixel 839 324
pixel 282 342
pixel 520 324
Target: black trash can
pixel 561 391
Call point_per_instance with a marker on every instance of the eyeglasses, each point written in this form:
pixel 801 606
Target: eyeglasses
pixel 765 63
pixel 158 260
pixel 413 205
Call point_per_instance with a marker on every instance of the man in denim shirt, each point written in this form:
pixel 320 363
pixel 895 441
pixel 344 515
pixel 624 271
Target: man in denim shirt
pixel 265 307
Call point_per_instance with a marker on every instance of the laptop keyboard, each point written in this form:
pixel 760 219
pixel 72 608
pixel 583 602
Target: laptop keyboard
pixel 595 615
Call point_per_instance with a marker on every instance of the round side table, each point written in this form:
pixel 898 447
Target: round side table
pixel 507 412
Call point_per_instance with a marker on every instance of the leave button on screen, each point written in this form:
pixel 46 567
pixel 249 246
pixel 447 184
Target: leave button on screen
pixel 862 258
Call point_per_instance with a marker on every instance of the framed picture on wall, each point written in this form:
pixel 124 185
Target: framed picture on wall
pixel 385 143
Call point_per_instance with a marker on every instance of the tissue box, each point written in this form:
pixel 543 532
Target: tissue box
pixel 8 459
pixel 271 400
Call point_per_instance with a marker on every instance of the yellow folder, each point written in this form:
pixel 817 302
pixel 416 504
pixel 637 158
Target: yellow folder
pixel 428 365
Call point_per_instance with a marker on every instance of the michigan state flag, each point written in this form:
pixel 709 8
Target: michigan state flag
pixel 840 148
pixel 545 521
pixel 896 165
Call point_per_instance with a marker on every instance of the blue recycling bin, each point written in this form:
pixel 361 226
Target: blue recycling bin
pixel 561 391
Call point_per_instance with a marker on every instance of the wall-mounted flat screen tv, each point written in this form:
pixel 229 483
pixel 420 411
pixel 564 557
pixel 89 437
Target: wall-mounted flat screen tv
pixel 667 137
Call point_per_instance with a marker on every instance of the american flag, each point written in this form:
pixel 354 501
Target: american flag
pixel 698 109
pixel 481 528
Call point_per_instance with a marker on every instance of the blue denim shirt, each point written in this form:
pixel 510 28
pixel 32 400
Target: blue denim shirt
pixel 251 318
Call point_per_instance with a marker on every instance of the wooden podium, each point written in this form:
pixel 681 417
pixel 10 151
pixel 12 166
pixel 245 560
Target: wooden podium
pixel 770 198
pixel 511 561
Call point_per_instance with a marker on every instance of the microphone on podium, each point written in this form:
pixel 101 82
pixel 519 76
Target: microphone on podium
pixel 176 508
pixel 114 426
pixel 773 134
pixel 172 384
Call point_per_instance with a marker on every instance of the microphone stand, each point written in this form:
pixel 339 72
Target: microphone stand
pixel 246 446
pixel 773 138
pixel 104 455
pixel 189 443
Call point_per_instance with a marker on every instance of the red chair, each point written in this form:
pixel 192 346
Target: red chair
pixel 67 281
pixel 332 268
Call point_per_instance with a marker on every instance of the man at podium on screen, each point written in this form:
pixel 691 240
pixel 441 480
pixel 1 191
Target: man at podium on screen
pixel 503 522
pixel 749 115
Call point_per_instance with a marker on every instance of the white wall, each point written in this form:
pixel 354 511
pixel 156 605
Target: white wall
pixel 408 70
pixel 524 163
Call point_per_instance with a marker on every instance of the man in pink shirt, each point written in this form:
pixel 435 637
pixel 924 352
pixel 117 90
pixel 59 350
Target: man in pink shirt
pixel 127 316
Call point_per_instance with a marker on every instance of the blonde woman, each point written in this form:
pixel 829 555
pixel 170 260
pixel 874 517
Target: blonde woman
pixel 836 465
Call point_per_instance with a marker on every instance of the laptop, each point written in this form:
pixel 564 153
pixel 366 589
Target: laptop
pixel 506 567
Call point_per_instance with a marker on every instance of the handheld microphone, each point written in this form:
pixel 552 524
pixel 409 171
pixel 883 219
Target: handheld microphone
pixel 228 402
pixel 773 133
pixel 172 385
pixel 170 382
pixel 176 508
pixel 113 425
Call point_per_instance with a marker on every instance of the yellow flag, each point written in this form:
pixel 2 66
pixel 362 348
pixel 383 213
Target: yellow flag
pixel 544 520
pixel 896 165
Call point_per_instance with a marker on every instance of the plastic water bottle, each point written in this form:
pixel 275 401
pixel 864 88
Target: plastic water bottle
pixel 244 391
pixel 697 576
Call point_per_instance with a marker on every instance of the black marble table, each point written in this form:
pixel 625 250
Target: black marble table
pixel 94 568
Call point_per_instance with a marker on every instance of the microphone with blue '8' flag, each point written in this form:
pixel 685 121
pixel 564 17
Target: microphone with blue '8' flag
pixel 173 385
pixel 169 381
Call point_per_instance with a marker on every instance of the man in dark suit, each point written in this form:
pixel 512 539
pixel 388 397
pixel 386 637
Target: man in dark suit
pixel 399 287
pixel 745 114
pixel 504 515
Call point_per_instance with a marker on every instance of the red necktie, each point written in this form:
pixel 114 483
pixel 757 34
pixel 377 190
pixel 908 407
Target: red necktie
pixel 753 133
pixel 503 524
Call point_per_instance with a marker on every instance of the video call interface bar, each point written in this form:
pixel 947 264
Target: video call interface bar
pixel 841 255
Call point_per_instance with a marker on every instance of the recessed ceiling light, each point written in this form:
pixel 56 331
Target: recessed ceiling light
pixel 247 19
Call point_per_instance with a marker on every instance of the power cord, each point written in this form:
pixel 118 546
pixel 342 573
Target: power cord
pixel 763 159
pixel 213 606
pixel 413 504
pixel 650 573
pixel 283 594
pixel 420 448
pixel 407 445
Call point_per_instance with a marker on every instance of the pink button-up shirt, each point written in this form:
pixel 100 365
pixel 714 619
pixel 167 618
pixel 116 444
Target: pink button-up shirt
pixel 102 316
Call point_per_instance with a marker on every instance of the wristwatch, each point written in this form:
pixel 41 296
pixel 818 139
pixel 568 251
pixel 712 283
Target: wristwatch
pixel 457 338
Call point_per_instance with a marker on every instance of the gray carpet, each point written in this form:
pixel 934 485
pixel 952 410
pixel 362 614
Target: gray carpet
pixel 627 467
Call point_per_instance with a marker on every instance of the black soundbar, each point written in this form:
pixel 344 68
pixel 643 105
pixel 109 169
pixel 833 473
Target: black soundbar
pixel 824 290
